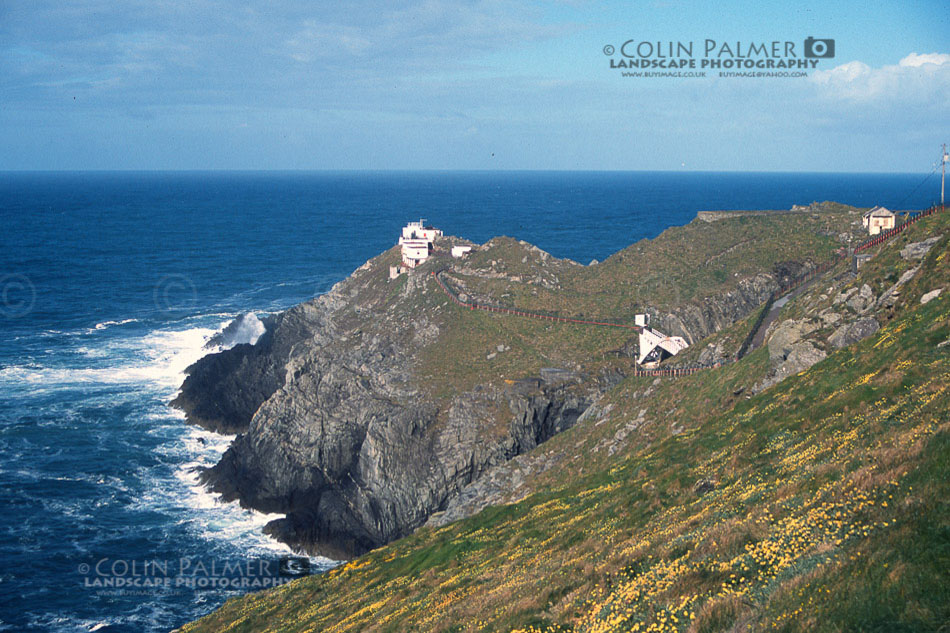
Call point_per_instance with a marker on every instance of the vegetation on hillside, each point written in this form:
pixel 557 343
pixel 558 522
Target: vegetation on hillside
pixel 684 264
pixel 820 504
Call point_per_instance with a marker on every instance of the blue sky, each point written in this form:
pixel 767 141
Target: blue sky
pixel 443 84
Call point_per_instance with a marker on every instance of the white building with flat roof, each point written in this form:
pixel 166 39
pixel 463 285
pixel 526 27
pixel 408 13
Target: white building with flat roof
pixel 419 231
pixel 416 241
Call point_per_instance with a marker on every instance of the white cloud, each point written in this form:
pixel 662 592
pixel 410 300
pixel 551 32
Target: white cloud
pixel 845 73
pixel 916 77
pixel 426 33
pixel 914 60
pixel 317 40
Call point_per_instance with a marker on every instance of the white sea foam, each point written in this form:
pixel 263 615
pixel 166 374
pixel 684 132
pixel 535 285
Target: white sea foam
pixel 157 359
pixel 212 518
pixel 153 365
pixel 246 328
pixel 168 353
pixel 107 324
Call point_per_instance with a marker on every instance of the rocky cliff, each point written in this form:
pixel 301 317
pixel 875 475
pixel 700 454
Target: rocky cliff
pixel 334 432
pixel 350 427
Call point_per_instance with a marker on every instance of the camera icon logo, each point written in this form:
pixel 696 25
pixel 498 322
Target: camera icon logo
pixel 819 48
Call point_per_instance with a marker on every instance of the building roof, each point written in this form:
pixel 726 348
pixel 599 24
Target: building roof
pixel 879 212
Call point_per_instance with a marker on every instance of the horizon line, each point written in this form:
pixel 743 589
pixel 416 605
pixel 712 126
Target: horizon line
pixel 434 170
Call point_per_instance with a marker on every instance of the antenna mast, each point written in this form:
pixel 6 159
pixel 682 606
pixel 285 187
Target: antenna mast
pixel 943 171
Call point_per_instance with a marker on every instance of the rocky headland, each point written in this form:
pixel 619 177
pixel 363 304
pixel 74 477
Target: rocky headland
pixel 366 411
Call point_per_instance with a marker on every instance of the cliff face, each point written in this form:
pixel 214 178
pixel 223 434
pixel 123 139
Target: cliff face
pixel 697 320
pixel 351 427
pixel 224 390
pixel 334 432
pixel 352 467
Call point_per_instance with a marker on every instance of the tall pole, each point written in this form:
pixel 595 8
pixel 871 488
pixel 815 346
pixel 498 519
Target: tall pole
pixel 943 171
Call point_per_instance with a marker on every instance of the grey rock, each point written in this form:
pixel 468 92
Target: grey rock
pixel 853 332
pixel 828 318
pixel 803 355
pixel 918 250
pixel 863 300
pixel 930 296
pixel 695 321
pixel 786 335
pixel 354 464
pixel 553 375
pixel 844 295
pixel 891 295
pixel 222 391
pixel 800 357
pixel 712 353
pixel 334 435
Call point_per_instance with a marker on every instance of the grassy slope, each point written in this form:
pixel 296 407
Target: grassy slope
pixel 827 511
pixel 682 264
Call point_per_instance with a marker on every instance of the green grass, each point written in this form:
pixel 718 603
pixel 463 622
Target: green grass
pixel 682 265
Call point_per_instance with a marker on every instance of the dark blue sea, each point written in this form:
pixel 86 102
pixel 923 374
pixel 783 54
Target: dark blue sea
pixel 111 283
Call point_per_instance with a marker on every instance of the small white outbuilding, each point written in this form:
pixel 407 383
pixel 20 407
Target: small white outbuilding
pixel 654 345
pixel 879 219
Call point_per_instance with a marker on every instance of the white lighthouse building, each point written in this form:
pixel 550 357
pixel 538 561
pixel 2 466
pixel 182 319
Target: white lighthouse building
pixel 416 242
pixel 419 231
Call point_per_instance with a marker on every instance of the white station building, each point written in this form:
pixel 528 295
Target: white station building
pixel 416 242
pixel 654 345
pixel 419 231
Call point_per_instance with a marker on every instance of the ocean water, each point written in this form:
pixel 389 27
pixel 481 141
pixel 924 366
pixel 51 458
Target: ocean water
pixel 111 283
